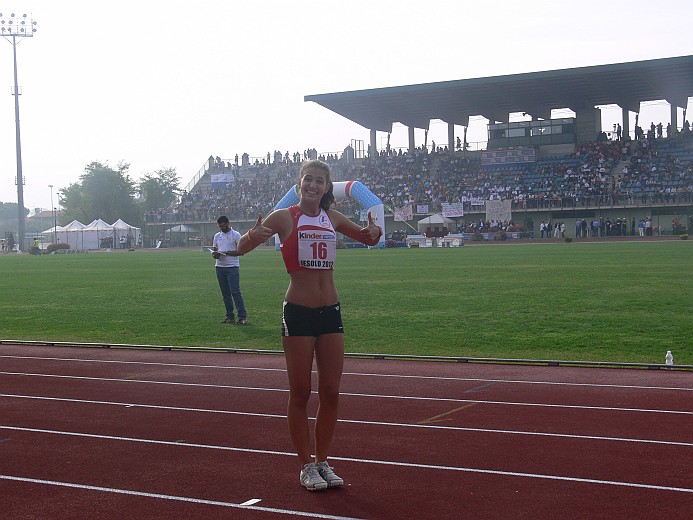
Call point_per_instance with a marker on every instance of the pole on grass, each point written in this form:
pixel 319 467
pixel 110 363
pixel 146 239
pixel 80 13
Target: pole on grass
pixel 14 27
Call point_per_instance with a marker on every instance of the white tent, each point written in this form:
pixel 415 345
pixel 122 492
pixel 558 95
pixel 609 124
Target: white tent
pixel 434 221
pixel 181 235
pixel 52 230
pixel 97 234
pixel 52 234
pixel 183 228
pixel 72 234
pixel 125 235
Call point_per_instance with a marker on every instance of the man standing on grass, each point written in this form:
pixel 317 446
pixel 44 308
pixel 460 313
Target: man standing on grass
pixel 225 251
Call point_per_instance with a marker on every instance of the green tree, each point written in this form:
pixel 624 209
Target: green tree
pixel 8 216
pixel 8 210
pixel 158 189
pixel 103 192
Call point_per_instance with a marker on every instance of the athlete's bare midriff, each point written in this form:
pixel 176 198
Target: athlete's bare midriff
pixel 312 288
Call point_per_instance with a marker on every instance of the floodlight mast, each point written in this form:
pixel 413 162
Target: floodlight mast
pixel 55 223
pixel 17 27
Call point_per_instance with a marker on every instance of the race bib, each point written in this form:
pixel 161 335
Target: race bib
pixel 317 249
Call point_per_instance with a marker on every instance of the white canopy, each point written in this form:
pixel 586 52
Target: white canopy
pixel 183 228
pixel 75 224
pixel 433 221
pixel 52 230
pixel 96 235
pixel 436 219
pixel 121 224
pixel 125 235
pixel 98 225
pixel 71 234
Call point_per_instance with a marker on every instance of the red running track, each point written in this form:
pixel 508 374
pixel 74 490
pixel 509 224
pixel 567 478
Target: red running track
pixel 111 434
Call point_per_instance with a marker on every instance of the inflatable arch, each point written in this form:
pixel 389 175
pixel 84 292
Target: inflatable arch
pixel 342 190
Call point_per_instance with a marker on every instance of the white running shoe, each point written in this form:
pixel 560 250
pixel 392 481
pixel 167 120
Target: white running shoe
pixel 329 475
pixel 311 479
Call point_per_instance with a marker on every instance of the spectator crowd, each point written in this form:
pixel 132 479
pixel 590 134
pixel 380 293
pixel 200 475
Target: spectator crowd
pixel 651 169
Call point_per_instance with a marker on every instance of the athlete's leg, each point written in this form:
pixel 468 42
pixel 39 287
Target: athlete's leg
pixel 329 356
pixel 298 352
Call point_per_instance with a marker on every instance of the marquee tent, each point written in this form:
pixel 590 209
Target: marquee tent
pixel 52 230
pixel 96 235
pixel 124 234
pixel 72 234
pixel 434 221
pixel 183 228
pixel 180 235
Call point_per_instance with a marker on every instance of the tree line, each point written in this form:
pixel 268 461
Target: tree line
pixel 110 193
pixel 106 193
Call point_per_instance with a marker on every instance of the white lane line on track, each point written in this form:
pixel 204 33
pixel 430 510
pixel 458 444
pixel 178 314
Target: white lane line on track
pixel 172 497
pixel 354 421
pixel 366 461
pixel 352 394
pixel 362 374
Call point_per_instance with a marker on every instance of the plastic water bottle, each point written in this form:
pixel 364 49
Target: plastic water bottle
pixel 669 359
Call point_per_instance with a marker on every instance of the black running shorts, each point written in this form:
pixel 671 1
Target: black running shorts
pixel 307 321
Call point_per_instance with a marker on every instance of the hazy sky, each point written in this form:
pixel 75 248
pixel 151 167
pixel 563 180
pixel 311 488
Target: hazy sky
pixel 168 83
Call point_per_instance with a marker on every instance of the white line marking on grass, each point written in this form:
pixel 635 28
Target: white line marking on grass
pixel 354 421
pixel 172 497
pixel 360 374
pixel 352 394
pixel 370 461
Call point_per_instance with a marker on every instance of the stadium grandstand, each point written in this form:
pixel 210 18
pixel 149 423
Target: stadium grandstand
pixel 553 178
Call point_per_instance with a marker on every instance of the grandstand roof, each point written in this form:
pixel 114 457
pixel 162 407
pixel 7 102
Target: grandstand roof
pixel 536 93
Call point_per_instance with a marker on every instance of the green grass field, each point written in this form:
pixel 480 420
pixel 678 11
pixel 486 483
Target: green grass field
pixel 623 302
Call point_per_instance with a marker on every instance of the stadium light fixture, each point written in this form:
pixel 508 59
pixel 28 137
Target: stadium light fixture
pixel 13 27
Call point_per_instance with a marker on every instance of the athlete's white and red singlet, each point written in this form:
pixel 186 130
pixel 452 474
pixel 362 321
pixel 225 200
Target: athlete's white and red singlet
pixel 312 243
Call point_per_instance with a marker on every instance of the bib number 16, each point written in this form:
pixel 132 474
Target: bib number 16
pixel 319 250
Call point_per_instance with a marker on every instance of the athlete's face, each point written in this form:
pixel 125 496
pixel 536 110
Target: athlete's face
pixel 313 184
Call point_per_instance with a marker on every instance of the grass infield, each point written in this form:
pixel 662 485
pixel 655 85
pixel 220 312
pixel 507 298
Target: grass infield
pixel 610 301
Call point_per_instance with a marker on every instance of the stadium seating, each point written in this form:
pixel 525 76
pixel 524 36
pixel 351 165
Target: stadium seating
pixel 640 172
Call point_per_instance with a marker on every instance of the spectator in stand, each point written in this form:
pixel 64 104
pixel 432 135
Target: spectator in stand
pixel 648 227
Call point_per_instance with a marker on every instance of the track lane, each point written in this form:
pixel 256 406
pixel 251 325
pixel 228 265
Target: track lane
pixel 659 422
pixel 428 491
pixel 481 449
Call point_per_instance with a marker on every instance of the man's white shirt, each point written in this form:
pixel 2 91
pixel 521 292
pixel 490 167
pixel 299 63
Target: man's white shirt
pixel 227 242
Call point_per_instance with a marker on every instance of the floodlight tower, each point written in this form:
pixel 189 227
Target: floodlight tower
pixel 55 223
pixel 17 27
